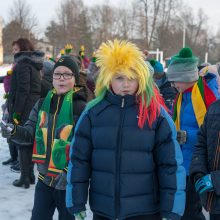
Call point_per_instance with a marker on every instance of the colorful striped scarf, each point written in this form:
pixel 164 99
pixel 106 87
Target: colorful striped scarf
pixel 202 97
pixel 61 134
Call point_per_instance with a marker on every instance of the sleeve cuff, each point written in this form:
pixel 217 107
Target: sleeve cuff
pixel 75 209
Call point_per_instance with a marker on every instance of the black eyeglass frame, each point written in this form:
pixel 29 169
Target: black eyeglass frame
pixel 65 75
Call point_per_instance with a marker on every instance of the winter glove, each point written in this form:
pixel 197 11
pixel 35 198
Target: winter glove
pixel 80 215
pixel 8 129
pixel 204 184
pixel 181 136
pixel 61 181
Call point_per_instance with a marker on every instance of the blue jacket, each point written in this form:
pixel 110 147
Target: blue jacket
pixel 129 171
pixel 189 123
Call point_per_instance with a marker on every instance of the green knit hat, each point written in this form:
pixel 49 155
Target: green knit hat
pixel 183 67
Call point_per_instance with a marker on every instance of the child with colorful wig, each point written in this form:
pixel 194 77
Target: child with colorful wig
pixel 124 149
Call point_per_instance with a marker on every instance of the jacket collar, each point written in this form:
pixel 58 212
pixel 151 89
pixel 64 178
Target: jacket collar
pixel 122 101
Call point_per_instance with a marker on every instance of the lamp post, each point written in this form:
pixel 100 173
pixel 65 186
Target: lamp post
pixel 184 30
pixel 184 33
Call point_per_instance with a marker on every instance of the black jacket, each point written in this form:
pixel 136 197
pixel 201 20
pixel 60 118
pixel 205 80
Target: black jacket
pixel 206 158
pixel 25 83
pixel 168 92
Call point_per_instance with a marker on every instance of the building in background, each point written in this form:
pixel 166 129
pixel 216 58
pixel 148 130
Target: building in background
pixel 45 46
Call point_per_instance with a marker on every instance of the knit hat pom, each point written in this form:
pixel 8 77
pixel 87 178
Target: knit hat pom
pixel 185 52
pixel 153 62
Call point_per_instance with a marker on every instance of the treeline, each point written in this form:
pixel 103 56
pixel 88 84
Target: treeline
pixel 151 24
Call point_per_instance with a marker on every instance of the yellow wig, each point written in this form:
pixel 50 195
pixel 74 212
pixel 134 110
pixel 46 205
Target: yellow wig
pixel 125 58
pixel 120 57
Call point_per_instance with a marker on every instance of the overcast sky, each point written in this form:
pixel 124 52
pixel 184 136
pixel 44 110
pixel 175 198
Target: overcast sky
pixel 45 10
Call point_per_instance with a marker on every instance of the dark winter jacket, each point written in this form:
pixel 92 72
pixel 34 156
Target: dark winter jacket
pixel 24 135
pixel 25 84
pixel 47 78
pixel 206 158
pixel 129 171
pixel 46 86
pixel 168 93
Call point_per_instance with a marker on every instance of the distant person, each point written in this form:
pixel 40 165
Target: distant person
pixel 168 92
pixel 24 92
pixel 13 160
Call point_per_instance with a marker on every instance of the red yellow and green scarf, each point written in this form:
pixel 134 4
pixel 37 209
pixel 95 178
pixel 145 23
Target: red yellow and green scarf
pixel 202 97
pixel 61 134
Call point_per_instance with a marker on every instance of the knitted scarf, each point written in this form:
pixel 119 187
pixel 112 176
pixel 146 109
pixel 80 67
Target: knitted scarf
pixel 202 97
pixel 61 134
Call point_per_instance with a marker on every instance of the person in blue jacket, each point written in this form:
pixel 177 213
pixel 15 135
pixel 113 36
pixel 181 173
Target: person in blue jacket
pixel 124 150
pixel 195 96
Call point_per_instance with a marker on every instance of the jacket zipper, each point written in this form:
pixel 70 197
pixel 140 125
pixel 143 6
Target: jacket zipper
pixel 53 126
pixel 118 159
pixel 215 167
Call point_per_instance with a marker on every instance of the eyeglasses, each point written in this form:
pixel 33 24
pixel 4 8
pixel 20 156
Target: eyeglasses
pixel 65 75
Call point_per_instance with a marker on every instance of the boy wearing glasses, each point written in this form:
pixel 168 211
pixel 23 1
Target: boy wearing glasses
pixel 50 128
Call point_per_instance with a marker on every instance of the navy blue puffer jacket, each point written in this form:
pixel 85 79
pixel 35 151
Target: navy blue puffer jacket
pixel 129 171
pixel 206 157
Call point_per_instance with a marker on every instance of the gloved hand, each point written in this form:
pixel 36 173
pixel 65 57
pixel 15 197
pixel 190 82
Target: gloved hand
pixel 181 136
pixel 61 181
pixel 80 215
pixel 166 219
pixel 204 184
pixel 7 129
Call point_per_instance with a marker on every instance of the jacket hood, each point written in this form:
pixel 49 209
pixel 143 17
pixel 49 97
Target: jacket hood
pixel 34 58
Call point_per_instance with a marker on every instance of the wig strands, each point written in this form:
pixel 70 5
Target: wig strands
pixel 125 58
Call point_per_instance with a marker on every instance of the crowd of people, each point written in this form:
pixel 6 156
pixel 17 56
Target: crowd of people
pixel 119 132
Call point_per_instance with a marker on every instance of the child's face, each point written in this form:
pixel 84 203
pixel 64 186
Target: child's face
pixel 63 80
pixel 121 85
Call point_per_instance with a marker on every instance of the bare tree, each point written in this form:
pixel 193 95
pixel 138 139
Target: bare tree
pixel 21 13
pixel 70 26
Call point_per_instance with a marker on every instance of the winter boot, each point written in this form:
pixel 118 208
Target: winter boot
pixel 25 163
pixel 23 181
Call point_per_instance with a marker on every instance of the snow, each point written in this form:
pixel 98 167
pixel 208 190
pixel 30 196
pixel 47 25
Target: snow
pixel 4 68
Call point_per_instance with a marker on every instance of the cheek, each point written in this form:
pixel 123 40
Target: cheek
pixel 135 86
pixel 116 86
pixel 71 83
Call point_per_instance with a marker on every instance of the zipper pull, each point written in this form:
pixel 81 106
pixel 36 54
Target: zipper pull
pixel 122 102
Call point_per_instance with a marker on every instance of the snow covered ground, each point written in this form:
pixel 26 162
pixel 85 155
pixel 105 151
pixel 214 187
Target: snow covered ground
pixel 16 203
